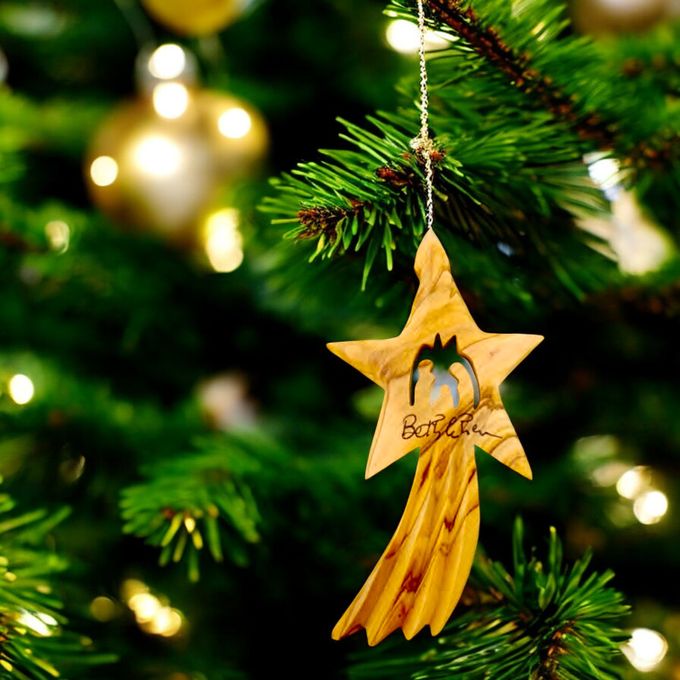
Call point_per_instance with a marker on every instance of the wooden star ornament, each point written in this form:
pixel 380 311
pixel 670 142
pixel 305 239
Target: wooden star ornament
pixel 445 411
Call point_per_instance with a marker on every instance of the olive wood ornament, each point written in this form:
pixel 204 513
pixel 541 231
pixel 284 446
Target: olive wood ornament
pixel 446 414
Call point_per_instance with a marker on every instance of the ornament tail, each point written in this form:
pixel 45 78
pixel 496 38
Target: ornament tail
pixel 421 575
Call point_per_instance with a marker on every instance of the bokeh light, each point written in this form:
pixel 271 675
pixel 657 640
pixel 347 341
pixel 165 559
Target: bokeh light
pixel 404 37
pixel 633 482
pixel 170 100
pixel 235 123
pixel 145 606
pixel 650 507
pixel 157 156
pixel 222 240
pixel 646 649
pixel 166 622
pixel 103 608
pixel 104 171
pixel 167 61
pixel 21 389
pixel 58 234
pixel 605 173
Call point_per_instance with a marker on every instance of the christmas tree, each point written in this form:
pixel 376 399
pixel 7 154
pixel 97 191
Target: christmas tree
pixel 182 459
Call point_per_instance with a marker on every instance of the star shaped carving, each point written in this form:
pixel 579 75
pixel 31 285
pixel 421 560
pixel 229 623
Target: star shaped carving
pixel 439 311
pixel 445 412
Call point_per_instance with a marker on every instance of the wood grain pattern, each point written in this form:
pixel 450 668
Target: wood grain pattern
pixel 420 576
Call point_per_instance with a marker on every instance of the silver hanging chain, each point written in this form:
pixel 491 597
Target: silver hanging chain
pixel 423 143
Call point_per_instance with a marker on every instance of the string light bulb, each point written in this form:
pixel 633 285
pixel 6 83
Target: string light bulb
pixel 633 482
pixel 21 389
pixel 153 614
pixel 167 61
pixel 222 240
pixel 58 234
pixel 104 171
pixel 404 37
pixel 166 622
pixel 650 507
pixel 145 606
pixel 235 123
pixel 170 100
pixel 157 156
pixel 645 649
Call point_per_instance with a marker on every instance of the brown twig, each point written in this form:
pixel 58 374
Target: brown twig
pixel 548 669
pixel 320 220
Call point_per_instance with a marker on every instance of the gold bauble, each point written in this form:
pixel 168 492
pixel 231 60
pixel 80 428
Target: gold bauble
pixel 195 17
pixel 159 163
pixel 618 16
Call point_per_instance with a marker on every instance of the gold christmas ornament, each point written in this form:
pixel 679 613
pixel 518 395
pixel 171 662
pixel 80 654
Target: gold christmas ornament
pixel 159 162
pixel 195 17
pixel 441 378
pixel 618 16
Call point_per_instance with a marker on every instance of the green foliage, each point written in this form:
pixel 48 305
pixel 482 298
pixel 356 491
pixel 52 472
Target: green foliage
pixel 36 645
pixel 515 102
pixel 117 330
pixel 198 501
pixel 545 620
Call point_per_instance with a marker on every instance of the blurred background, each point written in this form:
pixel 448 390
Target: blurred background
pixel 182 459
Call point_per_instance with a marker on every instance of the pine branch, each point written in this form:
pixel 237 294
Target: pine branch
pixel 546 621
pixel 657 153
pixel 516 101
pixel 35 643
pixel 517 67
pixel 198 501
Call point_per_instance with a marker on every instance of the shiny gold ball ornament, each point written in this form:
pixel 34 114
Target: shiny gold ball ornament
pixel 618 16
pixel 195 17
pixel 159 162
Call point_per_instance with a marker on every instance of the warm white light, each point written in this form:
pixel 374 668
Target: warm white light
pixel 35 624
pixel 222 240
pixel 605 172
pixel 404 36
pixel 650 507
pixel 645 649
pixel 157 156
pixel 235 123
pixel 634 481
pixel 641 244
pixel 21 389
pixel 58 234
pixel 145 606
pixel 166 622
pixel 104 171
pixel 170 100
pixel 167 61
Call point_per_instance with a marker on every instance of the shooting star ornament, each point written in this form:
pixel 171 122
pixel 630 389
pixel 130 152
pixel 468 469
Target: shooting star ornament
pixel 446 413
